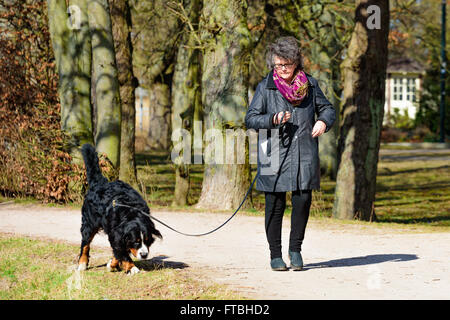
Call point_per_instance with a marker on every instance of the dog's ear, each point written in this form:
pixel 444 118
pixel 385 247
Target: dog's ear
pixel 157 233
pixel 126 237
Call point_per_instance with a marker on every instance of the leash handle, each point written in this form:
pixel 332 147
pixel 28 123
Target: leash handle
pixel 115 204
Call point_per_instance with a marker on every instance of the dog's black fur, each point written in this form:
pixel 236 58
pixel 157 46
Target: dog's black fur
pixel 127 229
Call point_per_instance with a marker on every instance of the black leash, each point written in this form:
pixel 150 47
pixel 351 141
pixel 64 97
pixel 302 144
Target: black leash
pixel 115 204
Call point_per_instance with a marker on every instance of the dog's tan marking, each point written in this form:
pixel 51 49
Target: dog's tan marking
pixel 133 252
pixel 84 258
pixel 83 261
pixel 114 263
pixel 126 266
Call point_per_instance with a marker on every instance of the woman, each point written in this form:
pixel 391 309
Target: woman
pixel 286 102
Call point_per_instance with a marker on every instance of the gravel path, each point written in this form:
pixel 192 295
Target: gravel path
pixel 342 261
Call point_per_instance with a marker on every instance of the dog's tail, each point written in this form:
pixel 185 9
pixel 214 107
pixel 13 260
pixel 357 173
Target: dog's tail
pixel 93 172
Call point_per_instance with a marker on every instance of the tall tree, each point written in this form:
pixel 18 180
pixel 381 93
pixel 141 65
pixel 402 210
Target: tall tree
pixel 362 109
pixel 121 29
pixel 72 48
pixel 226 39
pixel 157 33
pixel 186 94
pixel 105 81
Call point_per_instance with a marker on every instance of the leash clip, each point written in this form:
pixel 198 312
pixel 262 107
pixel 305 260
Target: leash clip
pixel 114 203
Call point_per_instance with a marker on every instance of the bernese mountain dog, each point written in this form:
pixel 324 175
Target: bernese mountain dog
pixel 129 231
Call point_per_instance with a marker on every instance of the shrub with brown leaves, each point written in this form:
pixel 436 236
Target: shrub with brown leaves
pixel 32 157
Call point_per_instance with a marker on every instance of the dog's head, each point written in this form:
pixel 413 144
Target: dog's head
pixel 138 237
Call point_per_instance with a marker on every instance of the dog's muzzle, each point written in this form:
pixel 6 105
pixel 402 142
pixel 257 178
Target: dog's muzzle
pixel 141 253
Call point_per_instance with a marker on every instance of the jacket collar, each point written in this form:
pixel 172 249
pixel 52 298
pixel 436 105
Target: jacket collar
pixel 271 84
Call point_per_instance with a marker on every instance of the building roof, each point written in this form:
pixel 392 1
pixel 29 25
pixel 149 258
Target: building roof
pixel 404 65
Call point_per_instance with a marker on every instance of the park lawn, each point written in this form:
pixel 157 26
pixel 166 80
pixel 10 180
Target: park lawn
pixel 414 192
pixel 408 192
pixel 32 269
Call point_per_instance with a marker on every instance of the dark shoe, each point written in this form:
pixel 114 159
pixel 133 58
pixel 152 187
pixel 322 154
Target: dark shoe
pixel 296 260
pixel 278 264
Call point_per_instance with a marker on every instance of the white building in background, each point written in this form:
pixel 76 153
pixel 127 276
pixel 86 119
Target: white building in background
pixel 142 111
pixel 403 87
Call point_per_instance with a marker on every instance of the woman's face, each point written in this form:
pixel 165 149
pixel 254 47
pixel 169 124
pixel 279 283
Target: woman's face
pixel 285 68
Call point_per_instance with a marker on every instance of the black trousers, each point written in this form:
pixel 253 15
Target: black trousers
pixel 275 206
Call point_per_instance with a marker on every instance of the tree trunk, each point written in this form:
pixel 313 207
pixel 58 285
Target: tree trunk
pixel 108 115
pixel 159 123
pixel 72 49
pixel 225 97
pixel 121 26
pixel 362 109
pixel 186 98
pixel 328 142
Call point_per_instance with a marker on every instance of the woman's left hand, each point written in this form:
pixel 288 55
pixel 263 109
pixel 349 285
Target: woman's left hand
pixel 319 128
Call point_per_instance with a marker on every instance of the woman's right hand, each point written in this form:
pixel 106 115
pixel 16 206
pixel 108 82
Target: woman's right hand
pixel 279 115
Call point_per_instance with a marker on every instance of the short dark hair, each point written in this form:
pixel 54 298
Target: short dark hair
pixel 286 48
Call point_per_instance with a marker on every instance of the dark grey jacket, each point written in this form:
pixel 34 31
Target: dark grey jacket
pixel 288 159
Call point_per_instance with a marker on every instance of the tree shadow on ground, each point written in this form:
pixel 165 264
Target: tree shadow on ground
pixel 155 263
pixel 442 220
pixel 361 261
pixel 388 172
pixel 159 262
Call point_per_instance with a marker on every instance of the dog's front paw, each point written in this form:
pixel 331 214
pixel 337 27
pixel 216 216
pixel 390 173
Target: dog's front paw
pixel 133 271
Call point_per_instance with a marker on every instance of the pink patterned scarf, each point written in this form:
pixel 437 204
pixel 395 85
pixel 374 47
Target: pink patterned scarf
pixel 294 92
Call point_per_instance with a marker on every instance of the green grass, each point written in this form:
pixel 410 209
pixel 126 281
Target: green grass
pixel 416 192
pixel 33 269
